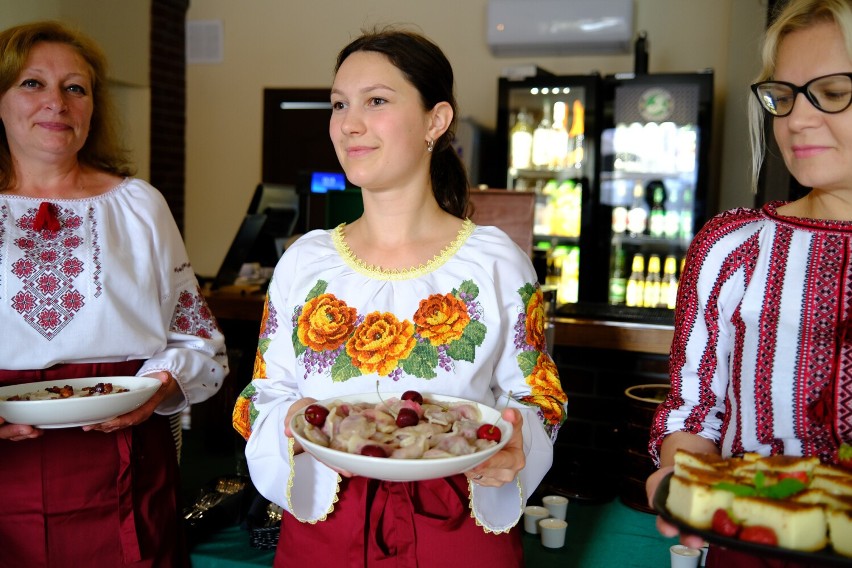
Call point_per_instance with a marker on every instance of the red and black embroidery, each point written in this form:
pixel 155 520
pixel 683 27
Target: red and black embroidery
pixel 192 316
pixel 48 268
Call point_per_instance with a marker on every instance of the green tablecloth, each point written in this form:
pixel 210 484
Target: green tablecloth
pixel 599 536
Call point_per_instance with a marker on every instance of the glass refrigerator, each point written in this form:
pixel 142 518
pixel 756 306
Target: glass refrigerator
pixel 547 138
pixel 619 167
pixel 655 143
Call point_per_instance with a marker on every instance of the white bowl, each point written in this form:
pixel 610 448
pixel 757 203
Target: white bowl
pixel 75 411
pixel 395 469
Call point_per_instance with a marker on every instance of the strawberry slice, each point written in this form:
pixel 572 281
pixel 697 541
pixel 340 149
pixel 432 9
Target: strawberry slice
pixel 799 475
pixel 760 535
pixel 724 524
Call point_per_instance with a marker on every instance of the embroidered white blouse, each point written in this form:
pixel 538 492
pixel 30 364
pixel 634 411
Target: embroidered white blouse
pixel 113 283
pixel 762 359
pixel 470 324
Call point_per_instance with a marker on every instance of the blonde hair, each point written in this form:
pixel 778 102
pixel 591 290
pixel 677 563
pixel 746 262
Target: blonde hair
pixel 103 149
pixel 794 15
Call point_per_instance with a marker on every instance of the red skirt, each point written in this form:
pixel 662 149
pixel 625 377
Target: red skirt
pixel 403 525
pixel 75 498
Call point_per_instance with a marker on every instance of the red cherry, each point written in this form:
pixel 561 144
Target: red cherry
pixel 407 417
pixel 315 414
pixel 373 451
pixel 413 396
pixel 489 432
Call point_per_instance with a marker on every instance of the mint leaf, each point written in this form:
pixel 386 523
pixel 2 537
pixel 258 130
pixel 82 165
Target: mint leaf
pixel 783 489
pixel 737 489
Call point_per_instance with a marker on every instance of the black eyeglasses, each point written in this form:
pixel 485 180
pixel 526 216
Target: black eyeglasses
pixel 829 93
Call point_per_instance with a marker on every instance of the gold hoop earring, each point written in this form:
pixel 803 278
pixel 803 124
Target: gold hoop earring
pixel 430 145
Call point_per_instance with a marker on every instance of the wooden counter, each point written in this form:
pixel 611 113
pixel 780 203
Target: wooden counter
pixel 617 335
pixel 574 332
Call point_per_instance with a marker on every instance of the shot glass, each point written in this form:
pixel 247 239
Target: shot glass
pixel 532 515
pixel 553 532
pixel 557 505
pixel 684 557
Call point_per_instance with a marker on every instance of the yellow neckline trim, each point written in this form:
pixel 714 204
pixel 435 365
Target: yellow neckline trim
pixel 404 273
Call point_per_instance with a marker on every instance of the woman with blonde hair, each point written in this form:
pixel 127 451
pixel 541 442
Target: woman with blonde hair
pixel 761 361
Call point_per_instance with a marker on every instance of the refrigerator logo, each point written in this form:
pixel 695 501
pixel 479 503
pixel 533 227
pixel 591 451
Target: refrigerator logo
pixel 656 104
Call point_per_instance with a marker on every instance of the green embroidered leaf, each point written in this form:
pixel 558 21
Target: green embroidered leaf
pixel 469 288
pixel 263 344
pixel 526 291
pixel 422 360
pixel 318 289
pixel 249 391
pixel 343 369
pixel 462 349
pixel 474 332
pixel 527 361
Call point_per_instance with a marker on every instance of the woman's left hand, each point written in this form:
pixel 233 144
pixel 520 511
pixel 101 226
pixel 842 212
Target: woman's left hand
pixel 503 467
pixel 170 387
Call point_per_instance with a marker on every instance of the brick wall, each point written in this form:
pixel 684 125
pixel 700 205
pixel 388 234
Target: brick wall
pixel 168 101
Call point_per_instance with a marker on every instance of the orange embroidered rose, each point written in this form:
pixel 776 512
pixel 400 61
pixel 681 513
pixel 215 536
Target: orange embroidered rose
pixel 552 409
pixel 544 379
pixel 380 342
pixel 325 323
pixel 242 417
pixel 535 321
pixel 259 371
pixel 441 319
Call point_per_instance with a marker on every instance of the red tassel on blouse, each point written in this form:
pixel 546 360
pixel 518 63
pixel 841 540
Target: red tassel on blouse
pixel 46 218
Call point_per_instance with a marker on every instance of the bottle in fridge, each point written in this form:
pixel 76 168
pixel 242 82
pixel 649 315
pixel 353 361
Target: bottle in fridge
pixel 655 134
pixel 547 145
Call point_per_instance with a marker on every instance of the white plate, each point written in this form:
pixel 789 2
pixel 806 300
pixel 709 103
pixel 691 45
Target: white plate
pixel 395 469
pixel 76 411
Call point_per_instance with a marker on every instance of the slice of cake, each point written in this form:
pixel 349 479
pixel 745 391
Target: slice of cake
pixel 823 497
pixel 709 462
pixel 694 502
pixel 840 531
pixel 835 484
pixel 787 464
pixel 798 526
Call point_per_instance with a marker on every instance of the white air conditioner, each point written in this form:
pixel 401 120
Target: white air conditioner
pixel 559 27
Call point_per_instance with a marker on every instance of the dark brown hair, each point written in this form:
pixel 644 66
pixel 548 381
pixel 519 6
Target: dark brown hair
pixel 426 67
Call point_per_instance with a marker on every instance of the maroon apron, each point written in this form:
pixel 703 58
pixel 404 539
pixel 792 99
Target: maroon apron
pixel 718 557
pixel 403 525
pixel 75 498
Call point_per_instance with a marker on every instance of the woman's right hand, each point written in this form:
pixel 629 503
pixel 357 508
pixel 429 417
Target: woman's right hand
pixel 18 432
pixel 670 445
pixel 297 447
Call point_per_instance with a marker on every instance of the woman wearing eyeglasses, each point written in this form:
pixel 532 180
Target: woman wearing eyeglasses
pixel 762 353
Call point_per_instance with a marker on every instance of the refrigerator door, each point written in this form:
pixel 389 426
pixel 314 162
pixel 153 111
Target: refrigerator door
pixel 547 139
pixel 655 142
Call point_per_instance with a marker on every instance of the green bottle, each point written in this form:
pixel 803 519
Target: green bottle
pixel 618 279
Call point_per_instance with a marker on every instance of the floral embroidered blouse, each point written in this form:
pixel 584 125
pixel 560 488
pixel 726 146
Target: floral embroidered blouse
pixel 105 279
pixel 470 324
